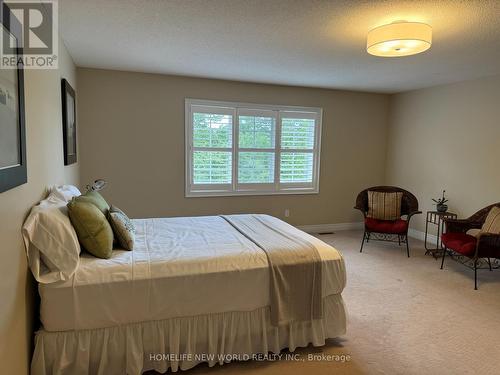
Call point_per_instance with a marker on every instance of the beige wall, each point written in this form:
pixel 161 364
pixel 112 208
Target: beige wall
pixel 447 137
pixel 132 134
pixel 45 167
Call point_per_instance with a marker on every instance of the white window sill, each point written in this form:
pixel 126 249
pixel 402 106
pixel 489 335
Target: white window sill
pixel 205 193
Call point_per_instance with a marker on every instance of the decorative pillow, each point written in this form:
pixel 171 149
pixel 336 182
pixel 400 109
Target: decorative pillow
pixel 492 222
pixel 96 199
pixel 92 227
pixel 384 205
pixel 123 228
pixel 51 242
pixel 65 192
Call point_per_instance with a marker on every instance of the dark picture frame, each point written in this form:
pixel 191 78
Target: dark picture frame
pixel 69 122
pixel 13 162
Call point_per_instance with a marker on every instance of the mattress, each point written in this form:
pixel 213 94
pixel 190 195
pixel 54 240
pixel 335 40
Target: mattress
pixel 180 267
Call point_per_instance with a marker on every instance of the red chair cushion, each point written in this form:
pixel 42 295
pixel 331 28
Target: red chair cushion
pixel 386 226
pixel 460 242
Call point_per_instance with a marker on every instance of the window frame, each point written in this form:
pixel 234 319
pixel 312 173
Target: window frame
pixel 248 189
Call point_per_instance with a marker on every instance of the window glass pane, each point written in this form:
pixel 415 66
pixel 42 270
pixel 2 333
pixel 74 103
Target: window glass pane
pixel 297 133
pixel 212 130
pixel 256 131
pixel 255 167
pixel 296 167
pixel 212 167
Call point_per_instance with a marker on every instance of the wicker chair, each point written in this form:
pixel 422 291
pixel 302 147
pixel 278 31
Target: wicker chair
pixel 474 250
pixel 385 230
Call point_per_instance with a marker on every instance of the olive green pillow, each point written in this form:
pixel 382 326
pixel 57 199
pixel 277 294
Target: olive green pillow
pixel 123 228
pixel 92 228
pixel 96 199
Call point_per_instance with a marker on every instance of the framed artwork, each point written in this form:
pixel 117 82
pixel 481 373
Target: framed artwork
pixel 12 123
pixel 69 122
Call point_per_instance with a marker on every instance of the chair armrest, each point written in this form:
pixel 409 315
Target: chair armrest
pixel 360 209
pixel 413 213
pixel 461 225
pixel 488 241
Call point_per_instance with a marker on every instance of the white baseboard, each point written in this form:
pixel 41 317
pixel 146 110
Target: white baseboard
pixel 325 228
pixel 419 235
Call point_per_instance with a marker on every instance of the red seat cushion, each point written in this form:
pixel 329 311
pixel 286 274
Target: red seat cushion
pixel 460 242
pixel 386 226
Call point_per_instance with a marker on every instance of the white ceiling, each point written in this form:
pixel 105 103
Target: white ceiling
pixel 294 42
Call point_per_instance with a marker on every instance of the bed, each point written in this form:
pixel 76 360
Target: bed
pixel 194 289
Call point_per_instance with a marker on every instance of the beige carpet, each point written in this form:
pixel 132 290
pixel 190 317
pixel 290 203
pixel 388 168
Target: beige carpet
pixel 406 316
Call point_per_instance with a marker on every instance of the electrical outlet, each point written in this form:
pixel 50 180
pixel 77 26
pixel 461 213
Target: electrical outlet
pixel 287 212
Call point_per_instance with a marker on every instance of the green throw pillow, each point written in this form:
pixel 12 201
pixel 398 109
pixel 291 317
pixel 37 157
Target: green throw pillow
pixel 96 199
pixel 92 228
pixel 123 228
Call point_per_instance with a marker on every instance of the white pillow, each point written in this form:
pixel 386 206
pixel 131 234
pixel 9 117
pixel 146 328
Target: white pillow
pixel 51 242
pixel 474 232
pixel 65 192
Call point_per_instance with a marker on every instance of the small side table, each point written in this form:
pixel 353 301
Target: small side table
pixel 436 218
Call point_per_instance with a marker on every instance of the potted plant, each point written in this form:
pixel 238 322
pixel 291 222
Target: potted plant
pixel 440 203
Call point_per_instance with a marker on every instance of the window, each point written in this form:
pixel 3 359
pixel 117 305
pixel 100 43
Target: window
pixel 250 149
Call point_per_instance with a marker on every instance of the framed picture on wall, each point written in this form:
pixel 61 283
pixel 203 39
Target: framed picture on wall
pixel 12 127
pixel 69 122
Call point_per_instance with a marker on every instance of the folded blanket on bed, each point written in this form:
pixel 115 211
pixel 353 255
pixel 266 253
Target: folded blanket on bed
pixel 295 268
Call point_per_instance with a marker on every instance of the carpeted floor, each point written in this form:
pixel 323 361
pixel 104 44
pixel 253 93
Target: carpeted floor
pixel 406 316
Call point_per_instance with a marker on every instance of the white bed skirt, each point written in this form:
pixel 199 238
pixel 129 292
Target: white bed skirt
pixel 179 343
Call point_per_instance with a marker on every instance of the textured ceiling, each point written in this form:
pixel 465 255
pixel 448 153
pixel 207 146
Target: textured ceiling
pixel 293 42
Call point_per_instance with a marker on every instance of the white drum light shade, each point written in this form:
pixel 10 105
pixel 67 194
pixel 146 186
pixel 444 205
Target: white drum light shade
pixel 399 39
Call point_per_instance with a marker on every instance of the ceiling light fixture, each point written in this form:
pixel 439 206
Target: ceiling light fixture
pixel 399 38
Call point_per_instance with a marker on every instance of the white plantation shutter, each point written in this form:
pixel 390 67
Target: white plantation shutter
pixel 297 133
pixel 212 167
pixel 212 145
pixel 296 167
pixel 245 149
pixel 298 148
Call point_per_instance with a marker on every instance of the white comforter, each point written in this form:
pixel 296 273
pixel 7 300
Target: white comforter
pixel 179 267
